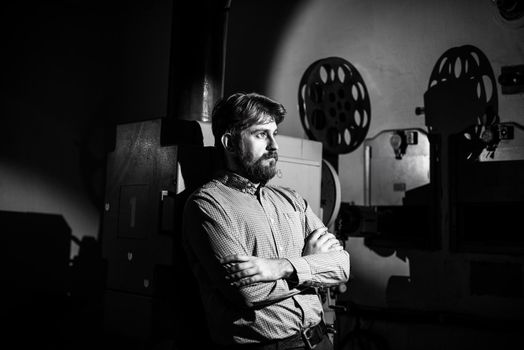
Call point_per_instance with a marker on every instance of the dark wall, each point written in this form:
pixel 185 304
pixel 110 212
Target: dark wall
pixel 251 42
pixel 71 71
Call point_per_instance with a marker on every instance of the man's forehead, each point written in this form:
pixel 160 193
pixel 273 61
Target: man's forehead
pixel 269 125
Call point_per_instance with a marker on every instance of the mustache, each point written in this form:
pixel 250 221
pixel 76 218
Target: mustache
pixel 269 155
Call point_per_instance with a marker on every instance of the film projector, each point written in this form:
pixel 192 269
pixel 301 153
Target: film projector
pixel 334 108
pixel 461 177
pixel 481 158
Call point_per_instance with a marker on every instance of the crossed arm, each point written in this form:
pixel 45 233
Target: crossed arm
pixel 244 270
pixel 223 263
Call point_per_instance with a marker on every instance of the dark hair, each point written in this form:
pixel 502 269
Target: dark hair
pixel 240 111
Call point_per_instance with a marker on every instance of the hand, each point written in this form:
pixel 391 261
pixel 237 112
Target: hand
pixel 243 270
pixel 321 241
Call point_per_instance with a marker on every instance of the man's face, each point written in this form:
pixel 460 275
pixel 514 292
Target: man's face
pixel 257 152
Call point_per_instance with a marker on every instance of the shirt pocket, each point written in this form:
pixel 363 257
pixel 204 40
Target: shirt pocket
pixel 293 236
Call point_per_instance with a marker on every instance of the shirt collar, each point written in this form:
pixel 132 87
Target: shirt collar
pixel 238 182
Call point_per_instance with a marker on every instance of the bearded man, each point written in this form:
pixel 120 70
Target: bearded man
pixel 258 251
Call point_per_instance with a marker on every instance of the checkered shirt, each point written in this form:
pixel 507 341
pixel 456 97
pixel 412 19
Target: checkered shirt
pixel 230 215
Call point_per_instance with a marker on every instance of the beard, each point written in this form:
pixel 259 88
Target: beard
pixel 254 170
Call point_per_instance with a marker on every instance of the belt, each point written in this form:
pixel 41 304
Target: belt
pixel 314 335
pixel 308 338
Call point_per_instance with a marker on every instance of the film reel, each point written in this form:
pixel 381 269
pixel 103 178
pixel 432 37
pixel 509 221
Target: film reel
pixel 334 105
pixel 468 63
pixel 468 70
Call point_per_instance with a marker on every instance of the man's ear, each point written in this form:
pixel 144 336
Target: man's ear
pixel 227 142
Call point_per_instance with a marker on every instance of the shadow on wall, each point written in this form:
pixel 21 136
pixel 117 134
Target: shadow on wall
pixel 55 302
pixel 251 68
pixel 52 301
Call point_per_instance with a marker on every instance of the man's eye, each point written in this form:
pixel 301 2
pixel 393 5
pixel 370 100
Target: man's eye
pixel 262 135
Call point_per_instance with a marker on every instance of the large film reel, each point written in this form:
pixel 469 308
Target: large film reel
pixel 468 63
pixel 334 105
pixel 467 73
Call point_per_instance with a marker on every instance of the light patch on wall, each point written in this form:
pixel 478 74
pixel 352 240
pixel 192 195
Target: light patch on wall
pixel 318 30
pixel 282 84
pixel 23 189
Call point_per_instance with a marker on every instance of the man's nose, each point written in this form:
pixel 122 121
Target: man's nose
pixel 272 144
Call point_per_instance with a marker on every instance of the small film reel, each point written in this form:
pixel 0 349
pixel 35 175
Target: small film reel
pixel 334 105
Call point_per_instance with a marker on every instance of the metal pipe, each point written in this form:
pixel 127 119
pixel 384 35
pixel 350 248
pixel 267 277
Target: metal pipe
pixel 367 175
pixel 199 32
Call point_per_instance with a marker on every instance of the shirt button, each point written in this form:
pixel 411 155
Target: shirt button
pixel 272 220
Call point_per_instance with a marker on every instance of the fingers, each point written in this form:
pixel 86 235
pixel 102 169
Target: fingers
pixel 324 238
pixel 240 269
pixel 317 233
pixel 243 274
pixel 245 281
pixel 236 267
pixel 235 276
pixel 334 244
pixel 332 241
pixel 336 247
pixel 235 258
